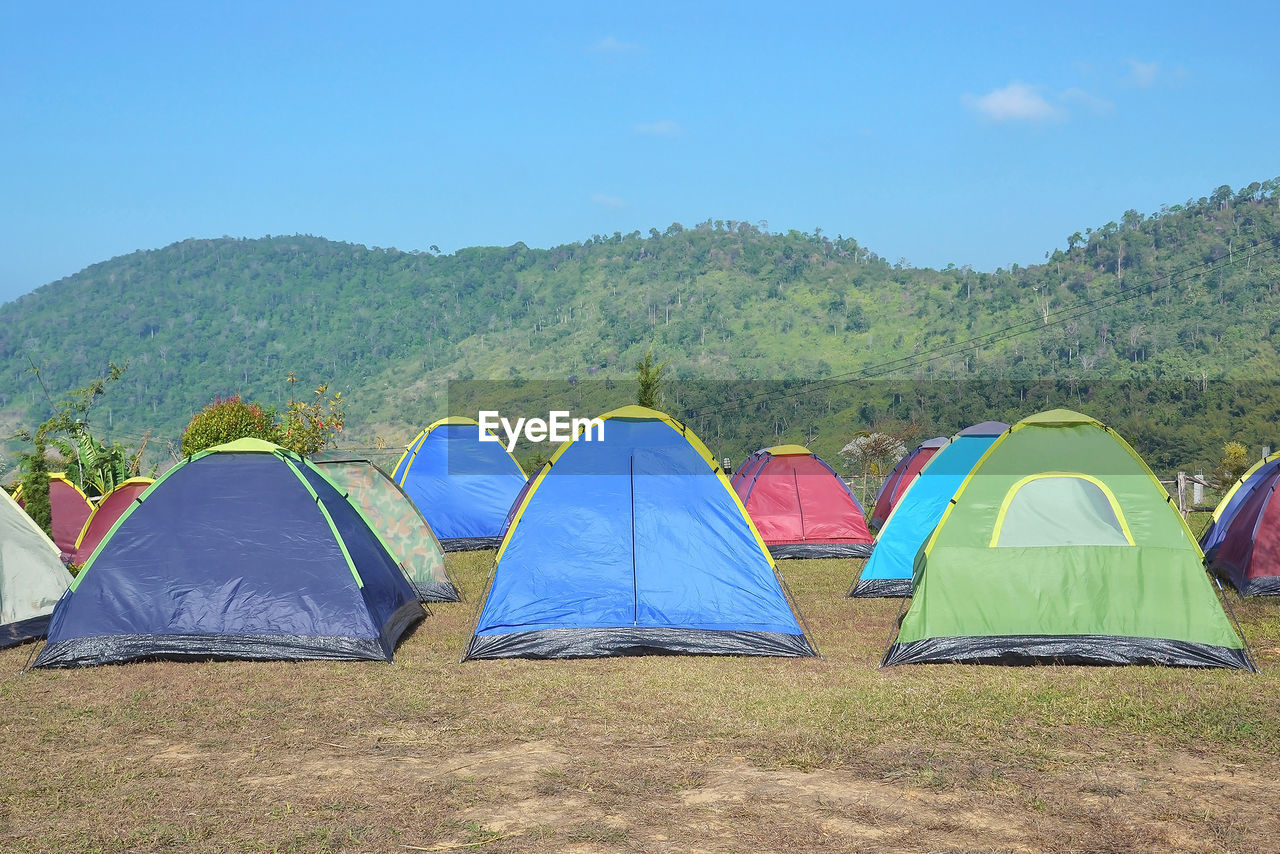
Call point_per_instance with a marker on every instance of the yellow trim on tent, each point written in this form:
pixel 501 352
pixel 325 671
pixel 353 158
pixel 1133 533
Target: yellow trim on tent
pixel 1217 511
pixel 1013 491
pixel 247 445
pixel 62 476
pixel 1186 528
pixel 641 413
pixel 85 527
pixel 928 545
pixel 634 412
pixel 788 451
pixel 411 451
pixel 452 419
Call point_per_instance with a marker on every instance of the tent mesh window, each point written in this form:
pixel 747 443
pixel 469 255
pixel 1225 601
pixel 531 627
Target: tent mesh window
pixel 1060 510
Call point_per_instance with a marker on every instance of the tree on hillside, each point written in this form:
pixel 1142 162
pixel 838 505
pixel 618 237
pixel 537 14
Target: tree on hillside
pixel 649 381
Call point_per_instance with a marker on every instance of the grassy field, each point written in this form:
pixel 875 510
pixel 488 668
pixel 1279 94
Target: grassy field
pixel 647 754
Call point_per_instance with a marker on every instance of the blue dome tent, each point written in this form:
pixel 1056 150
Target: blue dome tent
pixel 464 487
pixel 634 545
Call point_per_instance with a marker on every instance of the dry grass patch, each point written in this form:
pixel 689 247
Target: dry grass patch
pixel 644 754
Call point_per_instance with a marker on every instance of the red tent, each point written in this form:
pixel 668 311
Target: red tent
pixel 1249 556
pixel 105 515
pixel 895 485
pixel 800 506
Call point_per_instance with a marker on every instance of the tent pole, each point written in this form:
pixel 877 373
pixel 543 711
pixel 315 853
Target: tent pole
pixel 635 584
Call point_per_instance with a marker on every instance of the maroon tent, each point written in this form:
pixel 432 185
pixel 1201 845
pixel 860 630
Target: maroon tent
pixel 1249 556
pixel 800 506
pixel 69 508
pixel 105 516
pixel 895 485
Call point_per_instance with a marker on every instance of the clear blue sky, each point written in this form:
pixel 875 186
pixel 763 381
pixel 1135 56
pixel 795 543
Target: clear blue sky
pixel 978 134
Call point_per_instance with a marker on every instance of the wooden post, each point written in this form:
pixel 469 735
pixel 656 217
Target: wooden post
pixel 1182 493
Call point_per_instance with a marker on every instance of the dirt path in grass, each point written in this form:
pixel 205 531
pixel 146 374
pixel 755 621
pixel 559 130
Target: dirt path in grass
pixel 385 791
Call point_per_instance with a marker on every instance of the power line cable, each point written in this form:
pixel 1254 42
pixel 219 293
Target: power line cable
pixel 1078 309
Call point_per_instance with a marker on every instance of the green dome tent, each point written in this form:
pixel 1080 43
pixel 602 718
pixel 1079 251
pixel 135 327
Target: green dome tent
pixel 1062 546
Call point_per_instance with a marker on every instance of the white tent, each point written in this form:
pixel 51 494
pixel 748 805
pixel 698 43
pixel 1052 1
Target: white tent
pixel 32 577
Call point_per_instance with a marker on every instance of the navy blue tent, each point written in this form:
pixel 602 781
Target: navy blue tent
pixel 631 545
pixel 463 487
pixel 242 551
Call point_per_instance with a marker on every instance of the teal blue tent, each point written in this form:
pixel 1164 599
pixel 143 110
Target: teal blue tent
pixel 888 572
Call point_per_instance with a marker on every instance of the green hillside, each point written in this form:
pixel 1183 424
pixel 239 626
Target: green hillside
pixel 1161 324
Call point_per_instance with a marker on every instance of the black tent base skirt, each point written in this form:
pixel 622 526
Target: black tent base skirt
pixel 874 588
pixel 470 544
pixel 628 640
pixel 437 591
pixel 32 628
pixel 804 551
pixel 1266 586
pixel 1065 649
pixel 118 649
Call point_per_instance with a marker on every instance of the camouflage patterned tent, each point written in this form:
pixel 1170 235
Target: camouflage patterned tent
pixel 395 517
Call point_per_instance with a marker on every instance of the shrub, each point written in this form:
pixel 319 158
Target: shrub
pixel 228 419
pixel 311 425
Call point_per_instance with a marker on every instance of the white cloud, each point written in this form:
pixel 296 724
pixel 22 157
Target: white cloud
pixel 610 45
pixel 1143 74
pixel 666 128
pixel 610 202
pixel 1089 101
pixel 1015 102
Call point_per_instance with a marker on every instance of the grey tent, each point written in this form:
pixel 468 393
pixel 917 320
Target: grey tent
pixel 32 577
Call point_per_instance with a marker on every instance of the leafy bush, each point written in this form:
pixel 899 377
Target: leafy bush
pixel 1234 463
pixel 309 426
pixel 228 419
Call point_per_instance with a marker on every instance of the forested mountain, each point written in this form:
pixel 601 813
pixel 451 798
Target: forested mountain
pixel 1164 325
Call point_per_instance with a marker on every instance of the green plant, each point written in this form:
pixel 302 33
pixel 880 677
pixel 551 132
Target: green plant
pixel 35 484
pixel 311 425
pixel 649 381
pixel 90 464
pixel 1234 463
pixel 227 419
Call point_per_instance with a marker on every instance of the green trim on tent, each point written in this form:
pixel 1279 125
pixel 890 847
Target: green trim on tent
pixel 328 518
pixel 88 564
